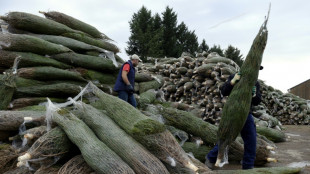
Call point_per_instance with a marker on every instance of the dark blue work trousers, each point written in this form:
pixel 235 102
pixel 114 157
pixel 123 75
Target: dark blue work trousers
pixel 248 134
pixel 128 97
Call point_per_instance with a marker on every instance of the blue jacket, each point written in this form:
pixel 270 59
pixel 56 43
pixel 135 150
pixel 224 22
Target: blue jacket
pixel 120 84
pixel 227 87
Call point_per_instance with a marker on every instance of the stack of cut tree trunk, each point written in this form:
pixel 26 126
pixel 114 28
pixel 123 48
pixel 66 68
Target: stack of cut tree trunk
pixel 57 56
pixel 196 81
pixel 288 108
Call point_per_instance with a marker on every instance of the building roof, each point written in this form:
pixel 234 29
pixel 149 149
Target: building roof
pixel 299 84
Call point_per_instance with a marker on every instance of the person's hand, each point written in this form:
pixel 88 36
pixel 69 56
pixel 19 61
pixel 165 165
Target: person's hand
pixel 254 91
pixel 236 78
pixel 129 88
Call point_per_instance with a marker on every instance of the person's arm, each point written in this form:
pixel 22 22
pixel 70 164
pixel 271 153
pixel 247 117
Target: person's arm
pixel 125 71
pixel 258 97
pixel 125 78
pixel 227 86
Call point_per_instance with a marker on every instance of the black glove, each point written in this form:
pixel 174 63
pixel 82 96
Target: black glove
pixel 254 91
pixel 129 88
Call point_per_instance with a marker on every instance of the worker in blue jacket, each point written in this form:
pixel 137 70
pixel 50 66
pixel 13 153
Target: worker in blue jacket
pixel 125 81
pixel 248 132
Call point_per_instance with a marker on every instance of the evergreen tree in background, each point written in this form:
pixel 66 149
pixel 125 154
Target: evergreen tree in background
pixel 216 48
pixel 140 27
pixel 156 41
pixel 234 54
pixel 186 40
pixel 157 36
pixel 203 46
pixel 182 30
pixel 169 24
pixel 156 22
pixel 191 42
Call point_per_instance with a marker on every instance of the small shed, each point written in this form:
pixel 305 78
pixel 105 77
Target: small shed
pixel 302 90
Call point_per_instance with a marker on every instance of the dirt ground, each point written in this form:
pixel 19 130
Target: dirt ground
pixel 295 152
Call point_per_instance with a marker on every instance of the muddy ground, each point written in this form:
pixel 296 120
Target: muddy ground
pixel 295 152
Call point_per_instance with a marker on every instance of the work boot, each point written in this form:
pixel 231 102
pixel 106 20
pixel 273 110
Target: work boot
pixel 247 167
pixel 209 164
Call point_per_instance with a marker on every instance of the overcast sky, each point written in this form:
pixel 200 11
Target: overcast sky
pixel 286 59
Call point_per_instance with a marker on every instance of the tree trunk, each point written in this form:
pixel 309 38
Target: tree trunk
pixel 237 107
pixel 133 153
pixel 28 60
pixel 96 154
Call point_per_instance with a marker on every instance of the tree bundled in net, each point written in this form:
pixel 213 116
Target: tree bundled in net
pixel 76 165
pixel 8 85
pixel 8 157
pixel 132 152
pixel 74 24
pixel 237 107
pixel 46 150
pixel 27 43
pixel 28 60
pixel 36 24
pixel 150 133
pixel 97 154
pixel 75 45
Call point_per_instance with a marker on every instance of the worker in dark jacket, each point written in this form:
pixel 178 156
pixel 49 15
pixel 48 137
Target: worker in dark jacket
pixel 248 132
pixel 125 81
